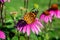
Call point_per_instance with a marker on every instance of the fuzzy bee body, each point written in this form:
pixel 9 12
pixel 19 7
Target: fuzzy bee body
pixel 29 17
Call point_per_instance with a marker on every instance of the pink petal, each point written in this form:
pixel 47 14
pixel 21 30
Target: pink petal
pixel 52 13
pixel 17 28
pixel 57 14
pixel 28 30
pixel 32 28
pixel 46 19
pixel 42 16
pixel 38 22
pixel 20 29
pixel 8 0
pixel 2 35
pixel 5 0
pixel 24 29
pixel 35 29
pixel 50 18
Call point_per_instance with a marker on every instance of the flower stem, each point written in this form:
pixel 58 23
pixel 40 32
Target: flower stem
pixel 46 37
pixel 26 4
pixel 18 35
pixel 1 10
pixel 17 30
pixel 5 14
pixel 21 13
pixel 49 4
pixel 28 38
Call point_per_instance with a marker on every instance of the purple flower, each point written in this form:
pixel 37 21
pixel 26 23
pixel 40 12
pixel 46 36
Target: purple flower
pixel 46 16
pixel 2 1
pixel 2 35
pixel 22 26
pixel 50 13
pixel 56 13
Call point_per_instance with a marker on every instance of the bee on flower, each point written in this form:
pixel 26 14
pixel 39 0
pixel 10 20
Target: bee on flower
pixel 30 22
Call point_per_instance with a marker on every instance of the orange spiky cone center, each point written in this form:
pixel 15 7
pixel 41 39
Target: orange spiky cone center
pixel 54 6
pixel 46 12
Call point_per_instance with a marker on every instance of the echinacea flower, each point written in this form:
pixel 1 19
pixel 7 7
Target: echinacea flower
pixel 22 26
pixel 46 16
pixel 50 13
pixel 29 22
pixel 55 11
pixel 2 35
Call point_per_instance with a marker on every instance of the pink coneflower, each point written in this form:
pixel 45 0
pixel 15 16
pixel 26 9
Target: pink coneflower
pixel 56 13
pixel 2 35
pixel 50 13
pixel 54 10
pixel 29 23
pixel 46 16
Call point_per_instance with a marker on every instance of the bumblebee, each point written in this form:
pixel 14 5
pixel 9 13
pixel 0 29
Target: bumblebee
pixel 30 17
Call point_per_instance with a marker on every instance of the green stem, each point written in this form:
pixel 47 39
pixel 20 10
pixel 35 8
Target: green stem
pixel 21 13
pixel 1 10
pixel 28 38
pixel 46 37
pixel 49 4
pixel 26 5
pixel 18 35
pixel 5 14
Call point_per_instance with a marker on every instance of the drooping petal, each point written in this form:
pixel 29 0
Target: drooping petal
pixel 2 35
pixel 35 29
pixel 5 0
pixel 57 14
pixel 46 19
pixel 28 30
pixel 24 29
pixel 2 1
pixel 32 28
pixel 38 22
pixel 8 0
pixel 42 16
pixel 50 18
pixel 20 29
pixel 51 13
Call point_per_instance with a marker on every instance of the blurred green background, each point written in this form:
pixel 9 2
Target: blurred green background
pixel 14 6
